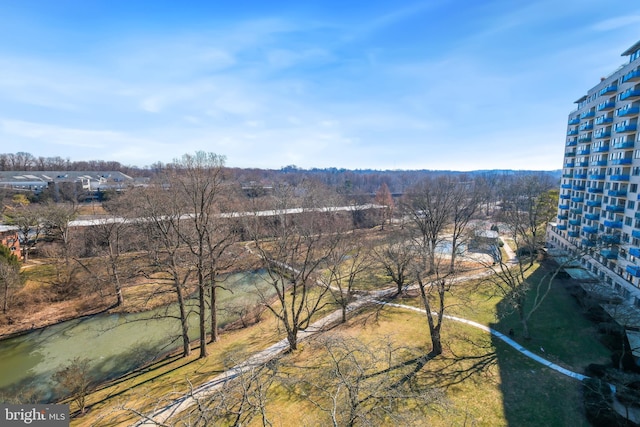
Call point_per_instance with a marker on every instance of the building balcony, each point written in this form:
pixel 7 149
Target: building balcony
pixel 587 115
pixel 604 106
pixel 635 252
pixel 631 111
pixel 577 199
pixel 619 177
pixel 574 121
pixel 580 176
pixel 584 138
pixel 597 177
pixel 623 144
pixel 578 188
pixel 601 149
pixel 633 270
pixel 565 207
pixel 584 152
pixel 635 233
pixel 587 242
pixel 609 89
pixel 614 208
pixel 561 227
pixel 572 132
pixel 599 163
pixel 563 217
pixel 630 94
pixel 603 120
pixel 573 233
pixel 632 76
pixel 566 186
pixel 575 222
pixel 567 175
pixel 601 135
pixel 570 164
pixel 582 164
pixel 572 143
pixel 592 216
pixel 594 190
pixel 590 229
pixel 576 211
pixel 625 128
pixel 565 196
pixel 609 253
pixel 585 126
pixel 610 239
pixel 570 154
pixel 617 193
pixel 612 223
pixel 594 203
pixel 621 162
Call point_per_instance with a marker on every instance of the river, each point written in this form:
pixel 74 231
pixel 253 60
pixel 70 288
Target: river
pixel 113 343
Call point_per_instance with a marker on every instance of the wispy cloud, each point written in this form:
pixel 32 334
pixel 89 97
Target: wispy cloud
pixel 616 22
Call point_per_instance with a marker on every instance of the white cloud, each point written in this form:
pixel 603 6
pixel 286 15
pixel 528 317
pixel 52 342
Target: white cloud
pixel 616 23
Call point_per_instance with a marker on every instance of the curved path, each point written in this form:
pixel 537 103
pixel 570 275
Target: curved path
pixel 500 336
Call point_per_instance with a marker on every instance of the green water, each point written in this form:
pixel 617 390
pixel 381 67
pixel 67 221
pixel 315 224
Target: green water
pixel 115 344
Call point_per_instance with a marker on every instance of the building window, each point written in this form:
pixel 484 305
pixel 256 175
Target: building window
pixel 631 204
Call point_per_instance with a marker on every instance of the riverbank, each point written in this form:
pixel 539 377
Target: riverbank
pixel 43 302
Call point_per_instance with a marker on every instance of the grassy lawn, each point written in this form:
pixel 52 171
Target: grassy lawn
pixel 485 381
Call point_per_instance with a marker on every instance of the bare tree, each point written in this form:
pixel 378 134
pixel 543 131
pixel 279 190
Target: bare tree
pixel 237 402
pixel 29 220
pixel 57 222
pixel 430 205
pixel 526 211
pixel 354 383
pixel 431 209
pixel 466 198
pixel 395 255
pixel 198 182
pixel 9 275
pixel 293 255
pixel 349 259
pixel 384 198
pixel 113 235
pixel 74 380
pixel 159 214
pixel 529 204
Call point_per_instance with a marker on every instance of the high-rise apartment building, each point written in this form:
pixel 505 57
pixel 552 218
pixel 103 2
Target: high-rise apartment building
pixel 599 207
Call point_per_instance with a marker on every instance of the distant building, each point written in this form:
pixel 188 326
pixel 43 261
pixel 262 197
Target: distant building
pixel 38 181
pixel 9 237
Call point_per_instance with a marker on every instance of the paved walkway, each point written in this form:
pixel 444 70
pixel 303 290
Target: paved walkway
pixel 500 336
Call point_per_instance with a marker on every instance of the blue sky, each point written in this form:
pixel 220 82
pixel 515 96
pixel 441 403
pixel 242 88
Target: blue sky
pixel 441 84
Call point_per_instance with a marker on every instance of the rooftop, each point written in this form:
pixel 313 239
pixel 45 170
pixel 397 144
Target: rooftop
pixel 632 49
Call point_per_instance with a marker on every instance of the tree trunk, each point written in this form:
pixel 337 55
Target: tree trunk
pixel 184 324
pixel 203 317
pixel 436 342
pixel 5 303
pixel 292 337
pixel 214 312
pixel 525 325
